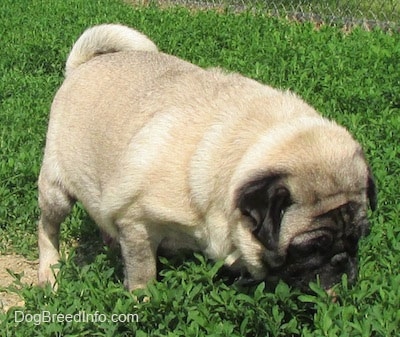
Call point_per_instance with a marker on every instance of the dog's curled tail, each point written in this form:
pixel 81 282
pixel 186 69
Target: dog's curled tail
pixel 104 39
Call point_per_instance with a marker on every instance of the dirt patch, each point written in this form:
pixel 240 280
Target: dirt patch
pixel 18 265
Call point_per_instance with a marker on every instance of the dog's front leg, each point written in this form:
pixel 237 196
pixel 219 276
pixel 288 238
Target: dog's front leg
pixel 139 249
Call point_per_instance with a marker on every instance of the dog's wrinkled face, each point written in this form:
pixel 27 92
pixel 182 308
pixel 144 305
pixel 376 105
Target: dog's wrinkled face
pixel 328 251
pixel 316 244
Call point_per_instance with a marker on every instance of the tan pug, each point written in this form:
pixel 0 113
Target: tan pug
pixel 160 151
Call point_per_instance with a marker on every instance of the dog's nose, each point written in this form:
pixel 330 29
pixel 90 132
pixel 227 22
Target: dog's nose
pixel 339 260
pixel 347 264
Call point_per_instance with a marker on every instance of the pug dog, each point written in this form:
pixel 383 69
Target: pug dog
pixel 161 152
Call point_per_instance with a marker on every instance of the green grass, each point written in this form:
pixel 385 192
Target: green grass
pixel 351 78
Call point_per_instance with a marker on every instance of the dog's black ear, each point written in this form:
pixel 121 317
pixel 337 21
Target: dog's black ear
pixel 264 200
pixel 372 191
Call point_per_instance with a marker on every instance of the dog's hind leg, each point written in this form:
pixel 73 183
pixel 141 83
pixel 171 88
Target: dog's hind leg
pixel 55 204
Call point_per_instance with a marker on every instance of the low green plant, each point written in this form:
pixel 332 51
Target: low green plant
pixel 352 78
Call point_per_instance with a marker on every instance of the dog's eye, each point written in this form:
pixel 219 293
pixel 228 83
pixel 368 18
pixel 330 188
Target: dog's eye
pixel 317 245
pixel 351 244
pixel 324 242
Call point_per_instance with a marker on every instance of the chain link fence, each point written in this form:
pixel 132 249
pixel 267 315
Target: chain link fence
pixel 347 13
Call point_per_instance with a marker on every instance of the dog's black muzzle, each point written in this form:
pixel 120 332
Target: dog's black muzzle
pixel 327 271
